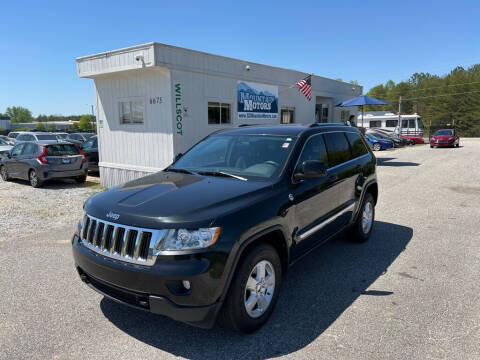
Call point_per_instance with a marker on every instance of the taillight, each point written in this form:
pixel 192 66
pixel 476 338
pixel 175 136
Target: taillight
pixel 43 155
pixel 83 155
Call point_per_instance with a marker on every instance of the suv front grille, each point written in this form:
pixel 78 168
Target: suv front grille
pixel 122 242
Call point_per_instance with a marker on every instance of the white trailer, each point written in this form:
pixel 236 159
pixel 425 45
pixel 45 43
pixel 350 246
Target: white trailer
pixel 411 124
pixel 154 101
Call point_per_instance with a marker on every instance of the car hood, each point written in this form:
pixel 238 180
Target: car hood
pixel 5 147
pixel 170 198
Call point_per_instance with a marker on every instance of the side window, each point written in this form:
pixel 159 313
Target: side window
pixel 375 123
pixel 391 123
pixel 356 144
pixel 20 137
pixel 17 149
pixel 29 149
pixel 314 149
pixel 88 144
pixel 337 148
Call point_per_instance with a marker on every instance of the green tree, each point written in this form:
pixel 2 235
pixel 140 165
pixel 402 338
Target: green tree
pixel 85 123
pixel 51 127
pixel 40 127
pixel 19 114
pixel 74 126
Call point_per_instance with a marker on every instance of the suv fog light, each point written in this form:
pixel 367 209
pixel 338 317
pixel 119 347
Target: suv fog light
pixel 186 284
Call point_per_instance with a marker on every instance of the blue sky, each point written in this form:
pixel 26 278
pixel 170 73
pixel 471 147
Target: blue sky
pixel 368 41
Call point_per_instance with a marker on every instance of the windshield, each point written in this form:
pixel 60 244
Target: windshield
pixel 47 137
pixel 247 156
pixel 61 136
pixel 444 132
pixel 62 149
pixel 3 142
pixel 378 135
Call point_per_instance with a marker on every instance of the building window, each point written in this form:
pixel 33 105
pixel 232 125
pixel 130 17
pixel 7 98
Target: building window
pixel 131 112
pixel 344 114
pixel 375 123
pixel 287 116
pixel 218 113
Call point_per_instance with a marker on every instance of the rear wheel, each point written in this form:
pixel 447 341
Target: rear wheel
pixel 254 290
pixel 377 147
pixel 458 144
pixel 81 179
pixel 34 180
pixel 363 226
pixel 4 173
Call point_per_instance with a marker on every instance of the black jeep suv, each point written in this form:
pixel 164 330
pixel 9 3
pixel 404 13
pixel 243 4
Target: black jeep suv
pixel 212 235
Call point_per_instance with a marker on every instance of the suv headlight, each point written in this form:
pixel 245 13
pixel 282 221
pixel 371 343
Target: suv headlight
pixel 183 239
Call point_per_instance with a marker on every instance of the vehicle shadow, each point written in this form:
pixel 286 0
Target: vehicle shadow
pixel 387 161
pixel 59 183
pixel 315 292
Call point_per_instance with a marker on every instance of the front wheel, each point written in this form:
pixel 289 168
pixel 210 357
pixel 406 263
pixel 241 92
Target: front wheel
pixel 363 226
pixel 4 173
pixel 377 147
pixel 34 180
pixel 254 290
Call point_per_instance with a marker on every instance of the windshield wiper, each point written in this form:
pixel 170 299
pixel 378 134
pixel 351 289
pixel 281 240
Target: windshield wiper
pixel 183 171
pixel 221 173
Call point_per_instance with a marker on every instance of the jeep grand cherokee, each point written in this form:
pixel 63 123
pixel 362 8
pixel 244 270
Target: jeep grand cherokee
pixel 211 236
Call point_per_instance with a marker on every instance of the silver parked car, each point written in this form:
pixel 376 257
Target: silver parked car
pixel 5 146
pixel 34 136
pixel 44 160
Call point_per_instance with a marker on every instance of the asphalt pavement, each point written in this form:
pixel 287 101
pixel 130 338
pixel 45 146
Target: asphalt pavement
pixel 411 292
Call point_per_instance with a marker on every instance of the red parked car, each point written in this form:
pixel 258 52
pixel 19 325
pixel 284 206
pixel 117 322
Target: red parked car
pixel 416 138
pixel 444 138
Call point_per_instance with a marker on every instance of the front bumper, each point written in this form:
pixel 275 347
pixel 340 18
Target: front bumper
pixel 442 144
pixel 158 288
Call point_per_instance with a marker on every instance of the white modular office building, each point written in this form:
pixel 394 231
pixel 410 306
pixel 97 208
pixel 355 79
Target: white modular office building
pixel 154 101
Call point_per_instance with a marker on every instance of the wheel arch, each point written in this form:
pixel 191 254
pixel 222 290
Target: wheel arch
pixel 274 236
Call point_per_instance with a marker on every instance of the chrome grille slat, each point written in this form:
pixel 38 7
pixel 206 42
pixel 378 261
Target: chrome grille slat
pixel 121 242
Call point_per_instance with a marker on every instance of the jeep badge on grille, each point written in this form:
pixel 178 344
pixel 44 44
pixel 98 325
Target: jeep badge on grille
pixel 113 216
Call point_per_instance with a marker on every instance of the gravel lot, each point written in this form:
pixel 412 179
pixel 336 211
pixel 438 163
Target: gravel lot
pixel 411 292
pixel 25 210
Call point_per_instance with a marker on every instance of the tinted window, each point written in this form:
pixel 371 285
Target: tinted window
pixel 17 149
pixel 62 149
pixel 75 137
pixel 338 148
pixel 12 135
pixel 314 149
pixel 3 142
pixel 29 149
pixel 90 143
pixel 391 123
pixel 20 137
pixel 47 137
pixel 356 144
pixel 375 123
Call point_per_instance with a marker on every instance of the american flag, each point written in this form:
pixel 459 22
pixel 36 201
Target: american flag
pixel 305 86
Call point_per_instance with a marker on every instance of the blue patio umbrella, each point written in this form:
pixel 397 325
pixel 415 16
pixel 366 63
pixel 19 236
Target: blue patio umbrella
pixel 362 100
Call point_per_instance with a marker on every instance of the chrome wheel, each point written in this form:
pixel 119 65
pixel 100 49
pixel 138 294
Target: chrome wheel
pixel 367 217
pixel 33 178
pixel 259 289
pixel 377 147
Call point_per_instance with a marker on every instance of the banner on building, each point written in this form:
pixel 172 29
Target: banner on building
pixel 257 101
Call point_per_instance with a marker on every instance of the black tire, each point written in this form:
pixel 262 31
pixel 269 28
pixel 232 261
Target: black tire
pixel 4 173
pixel 458 144
pixel 357 232
pixel 431 146
pixel 81 179
pixel 34 180
pixel 233 314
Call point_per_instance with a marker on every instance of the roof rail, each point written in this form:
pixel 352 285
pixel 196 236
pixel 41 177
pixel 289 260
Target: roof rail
pixel 326 124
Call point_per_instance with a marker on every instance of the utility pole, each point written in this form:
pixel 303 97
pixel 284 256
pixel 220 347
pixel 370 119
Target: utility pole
pixel 399 117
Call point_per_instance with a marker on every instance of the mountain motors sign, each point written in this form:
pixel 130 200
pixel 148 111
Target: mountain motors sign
pixel 257 101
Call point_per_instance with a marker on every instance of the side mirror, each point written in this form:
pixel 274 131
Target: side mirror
pixel 310 169
pixel 178 156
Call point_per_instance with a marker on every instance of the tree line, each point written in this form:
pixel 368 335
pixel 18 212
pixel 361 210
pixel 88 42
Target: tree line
pixel 19 114
pixel 438 99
